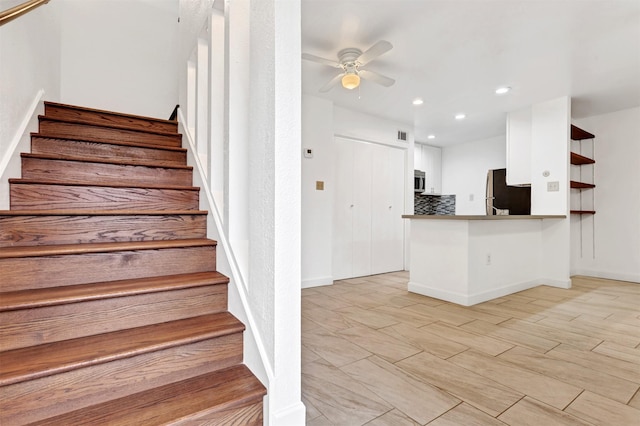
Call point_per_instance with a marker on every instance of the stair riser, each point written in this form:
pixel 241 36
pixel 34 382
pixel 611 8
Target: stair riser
pixel 37 399
pixel 102 173
pixel 47 197
pixel 225 397
pixel 31 327
pixel 50 230
pixel 104 117
pixel 91 150
pixel 52 271
pixel 248 415
pixel 60 128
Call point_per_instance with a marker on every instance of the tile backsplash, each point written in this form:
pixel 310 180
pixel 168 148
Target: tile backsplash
pixel 434 204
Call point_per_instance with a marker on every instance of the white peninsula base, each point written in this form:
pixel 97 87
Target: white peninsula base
pixel 472 259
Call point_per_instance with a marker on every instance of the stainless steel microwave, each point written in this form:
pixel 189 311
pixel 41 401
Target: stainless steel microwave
pixel 418 180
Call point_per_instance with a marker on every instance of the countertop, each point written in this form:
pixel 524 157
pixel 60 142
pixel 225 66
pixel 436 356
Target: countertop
pixel 480 217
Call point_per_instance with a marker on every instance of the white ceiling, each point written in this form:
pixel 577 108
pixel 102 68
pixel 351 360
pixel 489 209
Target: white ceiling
pixel 455 53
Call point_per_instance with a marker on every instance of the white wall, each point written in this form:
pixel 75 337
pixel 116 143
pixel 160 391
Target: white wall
pixel 550 154
pixel 236 130
pixel 363 126
pixel 317 229
pixel 515 249
pixel 275 197
pixel 537 153
pixel 193 16
pixel 464 172
pixel 120 55
pixel 29 62
pixel 261 220
pixel 617 201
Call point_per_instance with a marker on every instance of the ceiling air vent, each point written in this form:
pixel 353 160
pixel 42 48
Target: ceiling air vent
pixel 402 136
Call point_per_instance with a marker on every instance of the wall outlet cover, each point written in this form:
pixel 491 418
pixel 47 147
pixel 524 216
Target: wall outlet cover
pixel 553 186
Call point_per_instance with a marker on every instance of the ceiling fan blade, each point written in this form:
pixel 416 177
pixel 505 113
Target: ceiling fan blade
pixel 314 58
pixel 376 78
pixel 331 83
pixel 374 51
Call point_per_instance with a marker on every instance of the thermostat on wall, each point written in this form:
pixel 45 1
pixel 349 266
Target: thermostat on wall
pixel 308 153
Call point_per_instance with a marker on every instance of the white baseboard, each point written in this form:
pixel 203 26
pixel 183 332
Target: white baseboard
pixel 473 299
pixel 10 161
pixel 566 284
pixel 317 282
pixel 293 415
pixel 502 291
pixel 449 296
pixel 634 278
pixel 28 118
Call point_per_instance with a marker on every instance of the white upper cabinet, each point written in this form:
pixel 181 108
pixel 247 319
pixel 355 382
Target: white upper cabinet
pixel 429 159
pixel 418 162
pixel 519 147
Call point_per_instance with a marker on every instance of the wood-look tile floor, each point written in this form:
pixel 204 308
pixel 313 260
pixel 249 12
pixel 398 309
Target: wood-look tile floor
pixel 375 354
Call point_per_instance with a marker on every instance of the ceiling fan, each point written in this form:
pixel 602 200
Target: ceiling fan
pixel 350 61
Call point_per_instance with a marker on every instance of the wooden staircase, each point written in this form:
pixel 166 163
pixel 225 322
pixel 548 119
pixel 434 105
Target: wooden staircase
pixel 111 309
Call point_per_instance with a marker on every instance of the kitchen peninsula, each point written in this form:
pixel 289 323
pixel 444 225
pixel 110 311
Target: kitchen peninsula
pixel 472 259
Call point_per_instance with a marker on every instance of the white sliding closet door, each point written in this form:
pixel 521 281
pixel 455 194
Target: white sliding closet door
pixel 362 199
pixel 368 235
pixel 342 211
pixel 387 225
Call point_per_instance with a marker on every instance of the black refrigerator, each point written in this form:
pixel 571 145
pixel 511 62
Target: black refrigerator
pixel 500 196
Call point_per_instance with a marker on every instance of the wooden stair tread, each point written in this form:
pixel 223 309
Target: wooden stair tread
pixel 101 111
pixel 73 212
pixel 69 249
pixel 114 126
pixel 33 362
pixel 224 389
pixel 53 135
pixel 35 298
pixel 104 161
pixel 107 185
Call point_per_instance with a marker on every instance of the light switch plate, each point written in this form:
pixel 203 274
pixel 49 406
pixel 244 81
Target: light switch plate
pixel 553 186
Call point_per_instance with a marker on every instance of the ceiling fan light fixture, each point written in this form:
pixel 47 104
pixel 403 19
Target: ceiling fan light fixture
pixel 350 81
pixel 350 62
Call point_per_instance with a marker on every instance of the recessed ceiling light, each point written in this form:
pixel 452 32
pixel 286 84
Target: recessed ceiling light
pixel 460 116
pixel 502 90
pixel 418 101
pixel 431 137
